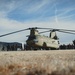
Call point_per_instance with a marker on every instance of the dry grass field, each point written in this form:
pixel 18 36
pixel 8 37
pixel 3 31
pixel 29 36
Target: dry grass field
pixel 54 62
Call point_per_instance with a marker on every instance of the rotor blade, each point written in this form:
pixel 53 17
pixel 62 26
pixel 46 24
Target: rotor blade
pixel 44 31
pixel 13 32
pixel 44 28
pixel 66 32
pixel 56 29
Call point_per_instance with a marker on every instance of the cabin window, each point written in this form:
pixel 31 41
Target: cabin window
pixel 53 41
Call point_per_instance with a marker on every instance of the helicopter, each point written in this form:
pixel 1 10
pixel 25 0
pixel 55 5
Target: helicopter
pixel 36 41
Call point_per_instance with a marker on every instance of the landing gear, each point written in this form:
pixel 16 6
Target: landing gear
pixel 39 48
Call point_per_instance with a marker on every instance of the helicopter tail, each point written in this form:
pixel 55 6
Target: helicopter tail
pixel 53 35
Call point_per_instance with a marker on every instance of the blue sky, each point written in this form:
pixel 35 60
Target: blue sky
pixel 20 14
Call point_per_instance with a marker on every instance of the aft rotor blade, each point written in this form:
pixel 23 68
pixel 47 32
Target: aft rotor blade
pixel 13 32
pixel 56 29
pixel 66 32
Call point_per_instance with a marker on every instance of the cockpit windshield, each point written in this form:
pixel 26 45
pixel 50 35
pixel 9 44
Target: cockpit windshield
pixel 31 37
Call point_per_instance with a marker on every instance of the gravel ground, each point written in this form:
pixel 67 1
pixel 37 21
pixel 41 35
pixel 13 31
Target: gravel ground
pixel 52 62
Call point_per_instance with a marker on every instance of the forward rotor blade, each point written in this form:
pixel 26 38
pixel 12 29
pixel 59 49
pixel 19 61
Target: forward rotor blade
pixel 13 32
pixel 44 28
pixel 44 31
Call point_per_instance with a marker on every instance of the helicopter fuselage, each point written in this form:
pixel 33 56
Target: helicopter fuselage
pixel 42 42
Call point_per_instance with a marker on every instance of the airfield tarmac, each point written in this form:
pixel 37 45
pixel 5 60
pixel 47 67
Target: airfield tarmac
pixel 52 62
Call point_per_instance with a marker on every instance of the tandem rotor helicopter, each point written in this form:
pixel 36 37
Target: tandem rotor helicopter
pixel 36 41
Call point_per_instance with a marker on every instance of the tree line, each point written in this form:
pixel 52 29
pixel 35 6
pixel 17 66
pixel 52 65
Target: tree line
pixel 68 46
